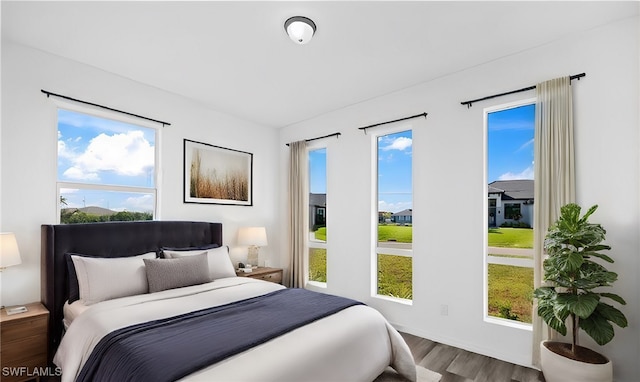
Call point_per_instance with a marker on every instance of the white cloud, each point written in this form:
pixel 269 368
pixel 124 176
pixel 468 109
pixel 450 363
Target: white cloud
pixel 527 173
pixel 525 145
pixel 399 143
pixel 393 207
pixel 142 203
pixel 76 173
pixel 128 154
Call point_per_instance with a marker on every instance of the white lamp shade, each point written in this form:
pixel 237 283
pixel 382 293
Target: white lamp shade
pixel 300 29
pixel 252 236
pixel 9 253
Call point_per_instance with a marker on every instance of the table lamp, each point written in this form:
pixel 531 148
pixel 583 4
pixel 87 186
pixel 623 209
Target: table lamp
pixel 254 237
pixel 9 253
pixel 10 256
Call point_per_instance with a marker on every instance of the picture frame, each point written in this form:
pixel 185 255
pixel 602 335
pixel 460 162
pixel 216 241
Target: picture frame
pixel 217 175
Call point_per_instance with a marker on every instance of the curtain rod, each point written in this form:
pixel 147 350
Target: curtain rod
pixel 322 137
pixel 395 120
pixel 470 103
pixel 48 93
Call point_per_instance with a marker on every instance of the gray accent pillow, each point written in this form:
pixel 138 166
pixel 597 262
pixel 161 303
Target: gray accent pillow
pixel 220 265
pixel 175 273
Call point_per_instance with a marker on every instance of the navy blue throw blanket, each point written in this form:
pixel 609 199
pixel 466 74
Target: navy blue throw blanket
pixel 172 348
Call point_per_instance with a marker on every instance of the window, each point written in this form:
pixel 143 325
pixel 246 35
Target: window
pixel 512 211
pixel 394 218
pixel 509 209
pixel 318 215
pixel 106 169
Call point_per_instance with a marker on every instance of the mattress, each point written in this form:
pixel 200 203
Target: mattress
pixel 357 342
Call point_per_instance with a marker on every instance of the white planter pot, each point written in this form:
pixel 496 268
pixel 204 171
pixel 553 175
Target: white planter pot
pixel 557 368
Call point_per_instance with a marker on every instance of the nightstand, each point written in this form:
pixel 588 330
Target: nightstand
pixel 23 348
pixel 264 273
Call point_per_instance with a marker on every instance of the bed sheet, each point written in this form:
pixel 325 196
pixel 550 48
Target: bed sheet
pixel 356 344
pixel 71 311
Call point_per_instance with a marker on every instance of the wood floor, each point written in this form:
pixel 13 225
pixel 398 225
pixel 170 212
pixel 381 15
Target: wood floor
pixel 457 365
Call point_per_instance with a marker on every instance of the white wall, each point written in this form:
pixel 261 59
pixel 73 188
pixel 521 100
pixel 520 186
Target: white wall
pixel 448 157
pixel 28 143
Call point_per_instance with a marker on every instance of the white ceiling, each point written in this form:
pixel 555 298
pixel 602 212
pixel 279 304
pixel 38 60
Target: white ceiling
pixel 236 57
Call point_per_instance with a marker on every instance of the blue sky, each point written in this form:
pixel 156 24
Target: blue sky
pixel 395 153
pixel 510 143
pixel 318 171
pixel 510 156
pixel 395 162
pixel 101 151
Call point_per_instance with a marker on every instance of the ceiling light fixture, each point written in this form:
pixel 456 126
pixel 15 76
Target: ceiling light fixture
pixel 300 29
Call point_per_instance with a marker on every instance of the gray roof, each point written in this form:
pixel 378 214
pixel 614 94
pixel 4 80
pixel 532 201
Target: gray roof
pixel 407 212
pixel 521 189
pixel 318 200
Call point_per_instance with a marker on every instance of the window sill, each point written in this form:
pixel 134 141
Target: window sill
pixel 508 323
pixel 402 301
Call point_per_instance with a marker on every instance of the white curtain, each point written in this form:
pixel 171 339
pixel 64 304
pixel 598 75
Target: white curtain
pixel 298 213
pixel 554 176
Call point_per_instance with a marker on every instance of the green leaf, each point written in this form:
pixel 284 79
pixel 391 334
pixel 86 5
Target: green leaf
pixel 573 261
pixel 612 314
pixel 581 305
pixel 596 248
pixel 614 297
pixel 546 312
pixel 598 328
pixel 589 212
pixel 544 292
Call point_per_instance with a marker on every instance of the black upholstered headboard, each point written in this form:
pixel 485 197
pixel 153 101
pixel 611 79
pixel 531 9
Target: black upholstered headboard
pixel 113 239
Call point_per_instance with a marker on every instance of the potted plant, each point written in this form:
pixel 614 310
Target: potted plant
pixel 574 277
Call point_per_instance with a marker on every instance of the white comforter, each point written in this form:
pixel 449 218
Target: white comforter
pixel 356 344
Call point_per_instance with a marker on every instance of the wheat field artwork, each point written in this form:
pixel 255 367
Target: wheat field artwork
pixel 216 174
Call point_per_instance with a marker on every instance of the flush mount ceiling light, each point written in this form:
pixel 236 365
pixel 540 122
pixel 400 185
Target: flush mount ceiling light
pixel 300 29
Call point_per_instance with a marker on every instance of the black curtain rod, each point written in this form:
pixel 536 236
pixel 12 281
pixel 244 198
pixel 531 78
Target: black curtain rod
pixel 322 137
pixel 48 93
pixel 470 103
pixel 395 120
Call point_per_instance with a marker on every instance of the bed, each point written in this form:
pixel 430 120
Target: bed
pixel 228 329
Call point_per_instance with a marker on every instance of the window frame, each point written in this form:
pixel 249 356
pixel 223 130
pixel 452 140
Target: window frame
pixel 119 117
pixel 313 146
pixel 375 214
pixel 518 262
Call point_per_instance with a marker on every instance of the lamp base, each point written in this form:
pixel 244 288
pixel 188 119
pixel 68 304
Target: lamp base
pixel 252 256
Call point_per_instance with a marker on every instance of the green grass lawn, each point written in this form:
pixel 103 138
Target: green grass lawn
pixel 318 265
pixel 510 287
pixel 395 276
pixel 511 237
pixel 400 234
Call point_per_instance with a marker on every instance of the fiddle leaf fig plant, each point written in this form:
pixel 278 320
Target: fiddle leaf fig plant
pixel 574 275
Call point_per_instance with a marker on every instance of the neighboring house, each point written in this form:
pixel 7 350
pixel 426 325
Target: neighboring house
pixel 317 210
pixel 403 217
pixel 510 201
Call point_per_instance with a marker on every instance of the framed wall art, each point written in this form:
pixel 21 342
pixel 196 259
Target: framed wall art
pixel 217 175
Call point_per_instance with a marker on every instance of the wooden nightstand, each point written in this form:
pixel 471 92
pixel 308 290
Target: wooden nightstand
pixel 23 345
pixel 264 273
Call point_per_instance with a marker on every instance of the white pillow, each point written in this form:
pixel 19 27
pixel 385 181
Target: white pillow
pixel 220 265
pixel 101 279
